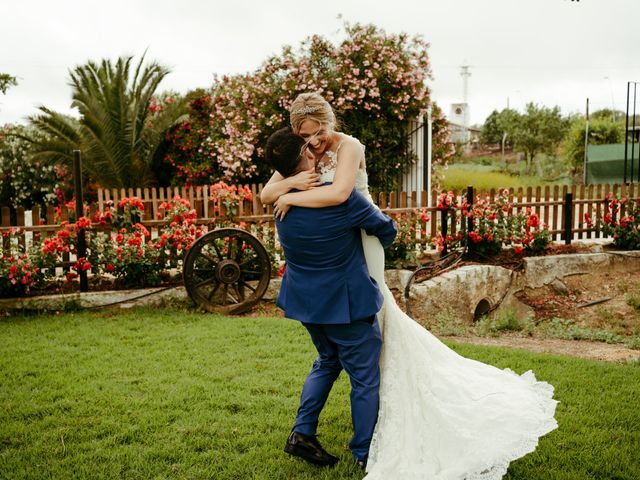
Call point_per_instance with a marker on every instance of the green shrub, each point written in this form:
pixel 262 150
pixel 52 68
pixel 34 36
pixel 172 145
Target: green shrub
pixel 633 300
pixel 507 320
pixel 633 342
pixel 447 322
pixel 568 330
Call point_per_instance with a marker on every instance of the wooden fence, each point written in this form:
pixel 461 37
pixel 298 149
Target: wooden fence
pixel 562 208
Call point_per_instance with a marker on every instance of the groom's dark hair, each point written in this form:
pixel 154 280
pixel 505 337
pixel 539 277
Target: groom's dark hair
pixel 283 151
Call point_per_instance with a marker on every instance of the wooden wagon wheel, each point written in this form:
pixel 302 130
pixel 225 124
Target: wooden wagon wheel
pixel 227 271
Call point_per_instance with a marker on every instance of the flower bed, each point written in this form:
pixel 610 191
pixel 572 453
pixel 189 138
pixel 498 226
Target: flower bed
pixel 119 245
pixel 122 252
pixel 495 225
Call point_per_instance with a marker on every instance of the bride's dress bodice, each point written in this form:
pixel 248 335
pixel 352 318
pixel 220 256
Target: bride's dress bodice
pixel 329 164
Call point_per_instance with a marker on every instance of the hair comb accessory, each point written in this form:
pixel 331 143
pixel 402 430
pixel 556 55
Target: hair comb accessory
pixel 305 110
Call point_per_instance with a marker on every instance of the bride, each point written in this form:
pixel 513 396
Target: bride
pixel 442 416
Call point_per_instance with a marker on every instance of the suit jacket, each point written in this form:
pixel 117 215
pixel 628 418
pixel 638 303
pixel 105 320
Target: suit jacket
pixel 326 280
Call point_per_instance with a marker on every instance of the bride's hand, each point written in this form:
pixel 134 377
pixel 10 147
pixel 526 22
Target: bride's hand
pixel 305 180
pixel 281 207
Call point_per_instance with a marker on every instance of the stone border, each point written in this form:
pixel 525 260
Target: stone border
pixel 461 291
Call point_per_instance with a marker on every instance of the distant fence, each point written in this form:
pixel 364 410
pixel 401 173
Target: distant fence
pixel 562 208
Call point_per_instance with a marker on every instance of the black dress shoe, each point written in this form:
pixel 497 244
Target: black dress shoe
pixel 309 449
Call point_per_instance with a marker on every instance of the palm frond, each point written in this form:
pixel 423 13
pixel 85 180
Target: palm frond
pixel 116 131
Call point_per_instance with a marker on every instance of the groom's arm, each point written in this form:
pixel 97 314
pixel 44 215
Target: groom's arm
pixel 364 214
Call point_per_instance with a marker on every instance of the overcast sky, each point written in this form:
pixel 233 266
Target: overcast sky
pixel 552 52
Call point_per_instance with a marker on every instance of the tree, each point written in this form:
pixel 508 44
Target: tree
pixel 491 132
pixel 538 130
pixel 602 131
pixel 498 124
pixel 121 123
pixel 608 114
pixel 7 81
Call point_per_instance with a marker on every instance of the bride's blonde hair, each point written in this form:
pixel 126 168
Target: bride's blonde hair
pixel 311 106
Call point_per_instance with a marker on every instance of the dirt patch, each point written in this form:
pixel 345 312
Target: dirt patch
pixel 574 348
pixel 603 300
pixel 435 264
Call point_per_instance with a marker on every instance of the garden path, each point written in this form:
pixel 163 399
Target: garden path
pixel 575 348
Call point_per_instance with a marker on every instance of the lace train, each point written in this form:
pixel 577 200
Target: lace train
pixel 443 416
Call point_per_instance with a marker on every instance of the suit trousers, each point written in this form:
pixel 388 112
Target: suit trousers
pixel 354 347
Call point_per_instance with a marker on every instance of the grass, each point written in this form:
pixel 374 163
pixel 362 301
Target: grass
pixel 169 394
pixel 459 176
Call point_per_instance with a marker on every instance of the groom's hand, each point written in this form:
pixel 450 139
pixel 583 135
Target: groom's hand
pixel 281 207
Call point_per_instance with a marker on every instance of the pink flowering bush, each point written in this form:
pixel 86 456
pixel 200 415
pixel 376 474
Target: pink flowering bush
pixel 375 81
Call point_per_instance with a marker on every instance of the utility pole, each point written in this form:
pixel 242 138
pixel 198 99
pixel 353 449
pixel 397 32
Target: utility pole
pixel 586 145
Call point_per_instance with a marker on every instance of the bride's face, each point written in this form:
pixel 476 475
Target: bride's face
pixel 316 135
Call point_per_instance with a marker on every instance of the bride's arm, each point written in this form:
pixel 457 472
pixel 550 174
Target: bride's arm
pixel 278 185
pixel 344 180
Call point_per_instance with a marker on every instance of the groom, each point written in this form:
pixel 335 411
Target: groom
pixel 327 287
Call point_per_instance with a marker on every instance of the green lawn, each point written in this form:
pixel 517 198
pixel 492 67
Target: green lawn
pixel 485 177
pixel 159 394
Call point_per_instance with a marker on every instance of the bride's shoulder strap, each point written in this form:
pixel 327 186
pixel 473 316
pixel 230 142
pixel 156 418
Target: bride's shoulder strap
pixel 349 139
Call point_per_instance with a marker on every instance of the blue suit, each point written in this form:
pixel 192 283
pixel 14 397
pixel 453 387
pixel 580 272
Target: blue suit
pixel 327 287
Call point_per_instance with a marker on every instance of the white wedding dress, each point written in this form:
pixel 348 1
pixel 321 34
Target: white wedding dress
pixel 443 416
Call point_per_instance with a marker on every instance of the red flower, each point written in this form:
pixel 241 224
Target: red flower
pixel 518 250
pixel 475 238
pixel 588 220
pixel 282 270
pixel 82 222
pixel 109 267
pixel 533 221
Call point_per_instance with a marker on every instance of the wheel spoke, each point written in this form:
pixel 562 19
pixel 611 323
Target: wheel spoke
pixel 251 271
pixel 209 257
pixel 237 292
pixel 230 247
pixel 239 252
pixel 203 270
pixel 247 261
pixel 225 292
pixel 247 285
pixel 215 247
pixel 213 292
pixel 205 282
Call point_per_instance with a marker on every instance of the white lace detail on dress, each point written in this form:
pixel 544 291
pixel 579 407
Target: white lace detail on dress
pixel 327 169
pixel 443 416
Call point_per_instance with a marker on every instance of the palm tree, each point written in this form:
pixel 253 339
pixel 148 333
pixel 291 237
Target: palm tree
pixel 118 131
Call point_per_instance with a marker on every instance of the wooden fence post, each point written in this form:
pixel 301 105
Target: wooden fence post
pixel 568 217
pixel 470 218
pixel 82 241
pixel 444 221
